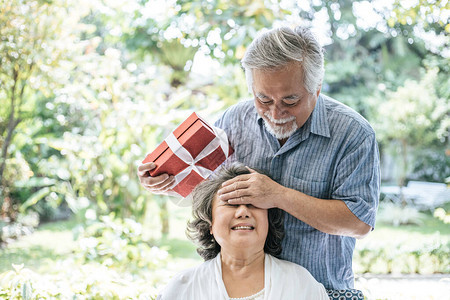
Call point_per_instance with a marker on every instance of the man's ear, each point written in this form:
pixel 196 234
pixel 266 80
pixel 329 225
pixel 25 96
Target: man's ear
pixel 318 91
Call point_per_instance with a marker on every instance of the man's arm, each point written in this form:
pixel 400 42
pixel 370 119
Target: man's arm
pixel 327 215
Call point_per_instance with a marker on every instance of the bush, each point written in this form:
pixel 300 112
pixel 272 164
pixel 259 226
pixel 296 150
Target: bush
pixel 24 225
pixel 111 261
pixel 92 281
pixel 430 256
pixel 442 215
pixel 118 243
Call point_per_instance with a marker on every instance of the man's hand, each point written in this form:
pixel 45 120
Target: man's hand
pixel 255 188
pixel 156 185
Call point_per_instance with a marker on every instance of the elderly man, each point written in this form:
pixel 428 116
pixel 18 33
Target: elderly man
pixel 322 155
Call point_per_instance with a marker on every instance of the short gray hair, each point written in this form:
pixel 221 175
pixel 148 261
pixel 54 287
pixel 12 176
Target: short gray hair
pixel 280 46
pixel 198 229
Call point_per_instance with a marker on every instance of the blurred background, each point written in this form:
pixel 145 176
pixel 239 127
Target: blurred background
pixel 88 87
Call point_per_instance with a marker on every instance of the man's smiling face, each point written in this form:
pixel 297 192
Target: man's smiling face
pixel 282 100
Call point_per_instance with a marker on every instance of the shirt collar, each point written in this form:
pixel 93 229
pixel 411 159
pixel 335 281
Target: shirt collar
pixel 319 119
pixel 259 119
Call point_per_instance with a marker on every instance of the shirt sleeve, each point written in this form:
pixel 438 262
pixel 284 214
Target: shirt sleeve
pixel 226 123
pixel 357 181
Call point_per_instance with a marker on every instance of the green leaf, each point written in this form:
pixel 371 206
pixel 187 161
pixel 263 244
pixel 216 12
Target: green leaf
pixel 27 291
pixel 35 182
pixel 35 198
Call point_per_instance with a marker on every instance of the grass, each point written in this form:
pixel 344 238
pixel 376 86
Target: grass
pixel 179 248
pixel 430 226
pixel 38 251
pixel 387 234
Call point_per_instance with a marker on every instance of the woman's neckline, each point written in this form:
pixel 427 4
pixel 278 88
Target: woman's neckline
pixel 251 297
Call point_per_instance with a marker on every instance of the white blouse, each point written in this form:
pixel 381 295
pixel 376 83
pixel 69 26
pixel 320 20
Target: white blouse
pixel 258 296
pixel 282 280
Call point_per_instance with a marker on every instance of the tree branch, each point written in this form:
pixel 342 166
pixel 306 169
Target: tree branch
pixel 12 124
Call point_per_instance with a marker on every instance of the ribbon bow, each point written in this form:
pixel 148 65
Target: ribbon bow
pixel 220 140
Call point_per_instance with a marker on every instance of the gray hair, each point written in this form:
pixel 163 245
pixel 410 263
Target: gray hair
pixel 280 46
pixel 198 229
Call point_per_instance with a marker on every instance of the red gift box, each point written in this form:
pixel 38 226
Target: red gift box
pixel 191 153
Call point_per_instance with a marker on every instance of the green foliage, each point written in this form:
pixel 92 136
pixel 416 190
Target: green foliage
pixel 118 243
pixel 17 170
pixel 30 64
pixel 30 52
pixel 413 119
pixel 18 284
pixel 34 60
pixel 419 244
pixel 24 225
pixel 219 28
pixel 176 56
pixel 442 215
pixel 97 84
pixel 424 257
pixel 414 113
pixel 99 156
pixel 61 269
pixel 431 164
pixel 429 14
pixel 74 282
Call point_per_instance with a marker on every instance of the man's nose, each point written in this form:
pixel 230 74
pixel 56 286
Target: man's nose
pixel 277 111
pixel 242 211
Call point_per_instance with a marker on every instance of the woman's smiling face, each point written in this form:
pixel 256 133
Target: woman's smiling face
pixel 239 227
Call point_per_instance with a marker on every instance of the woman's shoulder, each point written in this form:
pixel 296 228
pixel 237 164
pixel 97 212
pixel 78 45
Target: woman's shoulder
pixel 287 265
pixel 192 274
pixel 298 280
pixel 187 280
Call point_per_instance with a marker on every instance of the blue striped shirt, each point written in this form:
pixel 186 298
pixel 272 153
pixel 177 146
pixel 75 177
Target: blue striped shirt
pixel 334 155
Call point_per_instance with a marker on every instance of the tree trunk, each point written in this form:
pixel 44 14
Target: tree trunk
pixel 164 217
pixel 12 124
pixel 404 170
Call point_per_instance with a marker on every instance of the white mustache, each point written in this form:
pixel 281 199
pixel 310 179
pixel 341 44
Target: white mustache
pixel 278 121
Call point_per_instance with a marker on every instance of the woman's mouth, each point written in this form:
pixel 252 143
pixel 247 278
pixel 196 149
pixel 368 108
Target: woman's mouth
pixel 242 227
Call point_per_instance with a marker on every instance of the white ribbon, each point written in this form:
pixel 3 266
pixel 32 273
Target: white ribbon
pixel 220 140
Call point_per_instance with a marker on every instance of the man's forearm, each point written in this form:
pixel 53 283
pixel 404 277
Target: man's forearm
pixel 329 216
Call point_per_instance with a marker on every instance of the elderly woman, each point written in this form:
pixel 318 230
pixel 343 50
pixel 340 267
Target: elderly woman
pixel 238 243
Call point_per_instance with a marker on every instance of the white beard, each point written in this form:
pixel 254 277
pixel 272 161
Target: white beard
pixel 280 132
